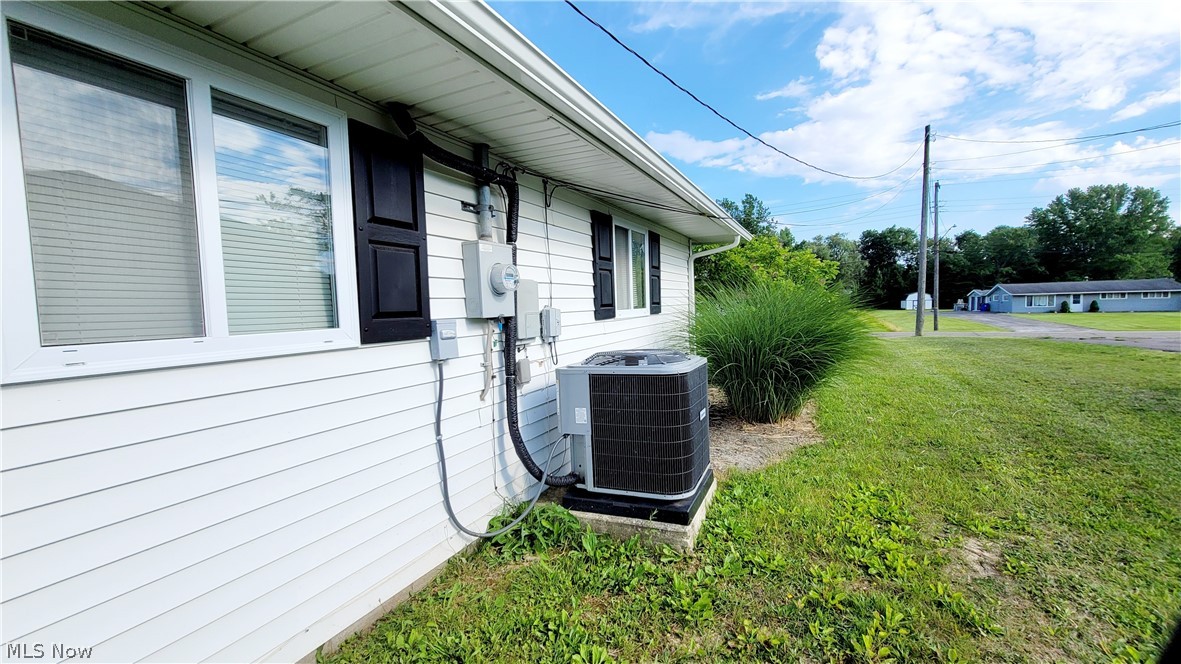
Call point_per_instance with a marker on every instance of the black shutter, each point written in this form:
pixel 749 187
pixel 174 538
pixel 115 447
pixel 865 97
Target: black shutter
pixel 603 248
pixel 388 208
pixel 654 272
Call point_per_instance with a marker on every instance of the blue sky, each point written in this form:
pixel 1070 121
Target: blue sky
pixel 849 87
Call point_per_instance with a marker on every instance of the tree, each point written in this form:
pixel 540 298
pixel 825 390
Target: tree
pixel 763 258
pixel 1107 231
pixel 1011 254
pixel 1175 266
pixel 891 272
pixel 752 214
pixel 847 255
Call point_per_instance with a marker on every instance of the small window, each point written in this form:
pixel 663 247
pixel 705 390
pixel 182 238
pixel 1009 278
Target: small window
pixel 1155 295
pixel 1077 298
pixel 1113 296
pixel 631 268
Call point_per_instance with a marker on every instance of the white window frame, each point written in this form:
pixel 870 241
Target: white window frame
pixel 24 359
pixel 633 312
pixel 1113 296
pixel 1154 295
pixel 1032 300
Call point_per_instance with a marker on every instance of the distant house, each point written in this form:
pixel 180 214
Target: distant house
pixel 976 299
pixel 1116 295
pixel 912 301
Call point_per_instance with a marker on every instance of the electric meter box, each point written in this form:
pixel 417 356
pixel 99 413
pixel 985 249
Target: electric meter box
pixel 489 279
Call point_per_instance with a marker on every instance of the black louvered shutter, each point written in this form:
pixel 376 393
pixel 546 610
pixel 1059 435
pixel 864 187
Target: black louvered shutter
pixel 603 248
pixel 654 272
pixel 388 208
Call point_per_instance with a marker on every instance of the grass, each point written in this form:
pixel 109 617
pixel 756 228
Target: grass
pixel 899 320
pixel 956 512
pixel 1161 321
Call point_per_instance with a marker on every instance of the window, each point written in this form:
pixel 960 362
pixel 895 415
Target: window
pixel 1154 295
pixel 1004 298
pixel 626 268
pixel 1113 296
pixel 165 202
pixel 1038 301
pixel 1077 298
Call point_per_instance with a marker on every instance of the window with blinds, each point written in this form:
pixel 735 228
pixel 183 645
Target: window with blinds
pixel 109 185
pixel 276 223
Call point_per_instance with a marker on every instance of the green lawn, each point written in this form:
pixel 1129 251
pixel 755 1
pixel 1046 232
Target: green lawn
pixel 899 320
pixel 1164 321
pixel 958 511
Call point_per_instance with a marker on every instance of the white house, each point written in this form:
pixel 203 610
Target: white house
pixel 220 269
pixel 912 301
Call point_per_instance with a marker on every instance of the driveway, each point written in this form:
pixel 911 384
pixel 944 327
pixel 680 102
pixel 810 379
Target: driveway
pixel 1017 327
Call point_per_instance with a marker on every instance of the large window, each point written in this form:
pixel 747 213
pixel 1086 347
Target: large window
pixel 1039 300
pixel 165 202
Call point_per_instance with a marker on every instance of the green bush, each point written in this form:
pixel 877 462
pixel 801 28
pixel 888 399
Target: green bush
pixel 771 343
pixel 1094 308
pixel 1064 308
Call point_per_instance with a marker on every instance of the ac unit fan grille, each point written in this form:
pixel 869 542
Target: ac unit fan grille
pixel 647 431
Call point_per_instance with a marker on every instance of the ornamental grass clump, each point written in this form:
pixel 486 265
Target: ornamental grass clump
pixel 771 344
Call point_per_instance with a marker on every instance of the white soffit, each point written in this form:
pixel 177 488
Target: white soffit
pixel 466 72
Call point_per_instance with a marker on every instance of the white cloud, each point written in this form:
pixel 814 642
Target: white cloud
pixel 891 67
pixel 1148 102
pixel 797 89
pixel 717 15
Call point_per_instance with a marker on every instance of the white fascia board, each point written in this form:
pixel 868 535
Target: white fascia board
pixel 487 35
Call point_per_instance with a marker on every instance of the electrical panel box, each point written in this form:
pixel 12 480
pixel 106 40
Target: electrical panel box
pixel 528 316
pixel 551 323
pixel 524 371
pixel 489 279
pixel 444 340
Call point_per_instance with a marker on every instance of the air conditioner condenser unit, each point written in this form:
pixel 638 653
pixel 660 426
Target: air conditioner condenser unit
pixel 638 422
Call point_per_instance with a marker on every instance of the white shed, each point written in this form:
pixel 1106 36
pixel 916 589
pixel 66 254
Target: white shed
pixel 912 301
pixel 219 400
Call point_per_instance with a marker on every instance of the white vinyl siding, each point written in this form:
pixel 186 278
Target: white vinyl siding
pixel 252 510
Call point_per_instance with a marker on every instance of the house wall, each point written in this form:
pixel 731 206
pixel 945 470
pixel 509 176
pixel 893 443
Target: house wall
pixel 999 305
pixel 254 509
pixel 1134 302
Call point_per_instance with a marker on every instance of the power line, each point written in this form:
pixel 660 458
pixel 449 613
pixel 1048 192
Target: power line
pixel 1063 161
pixel 985 180
pixel 1073 138
pixel 855 219
pixel 719 114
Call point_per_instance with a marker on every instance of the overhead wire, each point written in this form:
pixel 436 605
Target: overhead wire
pixel 1064 161
pixel 1059 140
pixel 719 114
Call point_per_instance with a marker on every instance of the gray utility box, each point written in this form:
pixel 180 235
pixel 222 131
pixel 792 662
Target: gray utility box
pixel 638 422
pixel 528 316
pixel 489 279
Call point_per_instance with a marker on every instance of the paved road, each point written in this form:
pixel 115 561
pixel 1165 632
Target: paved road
pixel 1017 327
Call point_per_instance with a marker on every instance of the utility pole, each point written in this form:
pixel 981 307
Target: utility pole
pixel 935 302
pixel 918 318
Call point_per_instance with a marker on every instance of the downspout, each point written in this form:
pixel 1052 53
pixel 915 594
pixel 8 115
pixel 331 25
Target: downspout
pixel 692 276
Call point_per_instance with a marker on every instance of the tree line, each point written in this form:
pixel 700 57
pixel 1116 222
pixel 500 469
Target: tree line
pixel 1102 232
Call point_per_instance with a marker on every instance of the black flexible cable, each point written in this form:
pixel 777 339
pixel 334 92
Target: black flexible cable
pixel 484 175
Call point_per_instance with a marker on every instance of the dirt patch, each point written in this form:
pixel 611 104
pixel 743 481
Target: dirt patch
pixel 736 443
pixel 980 561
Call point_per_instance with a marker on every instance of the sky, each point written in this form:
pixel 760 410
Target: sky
pixel 848 87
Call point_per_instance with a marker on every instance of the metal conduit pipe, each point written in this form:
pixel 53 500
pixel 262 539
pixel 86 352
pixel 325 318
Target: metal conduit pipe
pixel 483 174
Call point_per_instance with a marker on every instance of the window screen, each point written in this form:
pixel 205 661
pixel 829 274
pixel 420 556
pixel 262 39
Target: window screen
pixel 639 260
pixel 276 224
pixel 108 177
pixel 622 269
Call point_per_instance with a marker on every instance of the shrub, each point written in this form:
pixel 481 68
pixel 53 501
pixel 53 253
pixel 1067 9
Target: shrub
pixel 1094 308
pixel 1064 308
pixel 771 343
